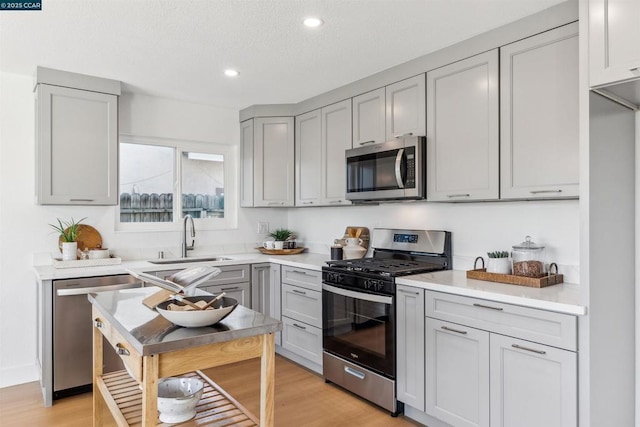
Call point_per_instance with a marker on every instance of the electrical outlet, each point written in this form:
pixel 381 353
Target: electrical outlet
pixel 263 227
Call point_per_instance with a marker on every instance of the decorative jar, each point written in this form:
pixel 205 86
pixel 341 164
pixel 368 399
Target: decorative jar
pixel 528 259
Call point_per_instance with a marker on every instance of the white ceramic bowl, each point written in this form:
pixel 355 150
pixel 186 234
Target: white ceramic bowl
pixel 98 253
pixel 178 398
pixel 198 318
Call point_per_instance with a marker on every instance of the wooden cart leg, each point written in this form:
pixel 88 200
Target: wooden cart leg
pixel 150 390
pixel 99 406
pixel 267 381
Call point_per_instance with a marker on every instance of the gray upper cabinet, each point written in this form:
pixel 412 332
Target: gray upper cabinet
pixel 614 34
pixel 322 136
pixel 369 118
pixel 463 130
pixel 308 153
pixel 246 163
pixel 336 139
pixel 405 108
pixel 76 139
pixel 273 161
pixel 539 116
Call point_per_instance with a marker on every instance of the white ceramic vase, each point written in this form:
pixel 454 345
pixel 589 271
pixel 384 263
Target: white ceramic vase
pixel 499 265
pixel 69 251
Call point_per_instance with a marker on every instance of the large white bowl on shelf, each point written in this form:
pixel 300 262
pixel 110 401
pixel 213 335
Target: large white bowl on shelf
pixel 178 398
pixel 198 318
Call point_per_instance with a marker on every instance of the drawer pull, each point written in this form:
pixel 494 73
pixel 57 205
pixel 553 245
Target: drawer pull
pixel 275 203
pixel 98 323
pixel 230 289
pixel 367 142
pixel 634 69
pixel 307 203
pixel 454 330
pixel 544 191
pixel 299 292
pixel 519 347
pixel 408 292
pixel 333 202
pixel 489 307
pixel 402 135
pixel 81 200
pixel 122 351
pixel 458 195
pixel 299 326
pixel 357 374
pixel 300 272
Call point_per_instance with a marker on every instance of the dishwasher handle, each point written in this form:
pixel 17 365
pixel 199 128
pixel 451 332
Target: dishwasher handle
pixel 92 289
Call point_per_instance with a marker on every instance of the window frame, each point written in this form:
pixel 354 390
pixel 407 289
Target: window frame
pixel 230 153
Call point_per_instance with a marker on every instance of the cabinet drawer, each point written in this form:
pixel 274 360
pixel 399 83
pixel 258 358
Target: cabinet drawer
pixel 241 292
pixel 131 359
pixel 302 304
pixel 309 279
pixel 545 327
pixel 302 339
pixel 230 274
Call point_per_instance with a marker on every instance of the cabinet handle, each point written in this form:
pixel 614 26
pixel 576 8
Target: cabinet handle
pixel 299 292
pixel 299 327
pixel 275 203
pixel 489 307
pixel 519 347
pixel 544 191
pixel 299 272
pixel 122 351
pixel 307 203
pixel 407 292
pixel 453 330
pixel 230 289
pixel 98 323
pixel 335 202
pixel 367 142
pixel 81 200
pixel 458 195
pixel 634 69
pixel 403 135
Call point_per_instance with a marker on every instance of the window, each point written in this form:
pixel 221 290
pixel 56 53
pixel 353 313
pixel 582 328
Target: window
pixel 153 172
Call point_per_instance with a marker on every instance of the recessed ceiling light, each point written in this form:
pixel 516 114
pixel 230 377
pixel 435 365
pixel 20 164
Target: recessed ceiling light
pixel 231 73
pixel 313 22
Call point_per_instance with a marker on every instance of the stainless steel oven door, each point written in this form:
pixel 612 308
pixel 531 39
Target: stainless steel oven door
pixel 359 327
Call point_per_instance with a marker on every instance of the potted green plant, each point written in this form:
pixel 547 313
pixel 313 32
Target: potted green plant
pixel 68 231
pixel 499 262
pixel 280 235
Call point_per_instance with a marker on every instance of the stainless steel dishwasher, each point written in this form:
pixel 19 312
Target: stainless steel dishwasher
pixel 73 332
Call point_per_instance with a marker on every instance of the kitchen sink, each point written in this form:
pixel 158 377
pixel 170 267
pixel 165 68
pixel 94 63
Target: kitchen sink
pixel 185 260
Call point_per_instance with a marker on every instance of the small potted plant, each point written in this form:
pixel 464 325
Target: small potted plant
pixel 499 262
pixel 68 235
pixel 280 235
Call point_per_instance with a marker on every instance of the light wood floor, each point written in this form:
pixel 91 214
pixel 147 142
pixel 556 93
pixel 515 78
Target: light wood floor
pixel 302 399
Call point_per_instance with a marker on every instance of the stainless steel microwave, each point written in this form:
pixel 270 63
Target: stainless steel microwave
pixel 392 170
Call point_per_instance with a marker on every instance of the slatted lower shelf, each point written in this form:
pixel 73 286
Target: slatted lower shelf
pixel 215 408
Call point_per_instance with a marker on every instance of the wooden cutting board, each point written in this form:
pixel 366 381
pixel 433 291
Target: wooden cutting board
pixel 88 237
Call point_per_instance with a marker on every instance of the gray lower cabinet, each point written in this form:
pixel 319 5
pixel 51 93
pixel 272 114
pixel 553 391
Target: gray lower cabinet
pixel 539 153
pixel 265 291
pixel 241 292
pixel 410 346
pixel 471 362
pixel 301 307
pixel 76 146
pixel 457 374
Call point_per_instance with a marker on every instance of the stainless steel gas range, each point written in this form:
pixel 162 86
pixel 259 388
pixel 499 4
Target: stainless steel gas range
pixel 359 317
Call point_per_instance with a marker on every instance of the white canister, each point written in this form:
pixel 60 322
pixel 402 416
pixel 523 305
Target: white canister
pixel 69 251
pixel 278 245
pixel 499 265
pixel 98 253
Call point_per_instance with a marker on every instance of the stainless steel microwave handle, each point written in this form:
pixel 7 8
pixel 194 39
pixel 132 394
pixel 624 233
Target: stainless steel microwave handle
pixel 357 295
pixel 398 164
pixel 92 289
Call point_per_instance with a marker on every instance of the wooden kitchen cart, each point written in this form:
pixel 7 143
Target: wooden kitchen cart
pixel 151 348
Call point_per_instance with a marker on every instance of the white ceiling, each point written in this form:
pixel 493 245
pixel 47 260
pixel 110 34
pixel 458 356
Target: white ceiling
pixel 178 49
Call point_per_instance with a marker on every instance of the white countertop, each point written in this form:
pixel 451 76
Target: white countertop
pixel 305 260
pixel 563 298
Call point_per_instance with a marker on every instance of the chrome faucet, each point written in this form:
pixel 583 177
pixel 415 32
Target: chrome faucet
pixel 186 247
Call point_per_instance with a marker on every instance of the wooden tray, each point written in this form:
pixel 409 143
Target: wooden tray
pixel 281 251
pixel 532 282
pixel 88 237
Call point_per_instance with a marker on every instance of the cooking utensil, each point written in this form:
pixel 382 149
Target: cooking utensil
pixel 179 297
pixel 210 303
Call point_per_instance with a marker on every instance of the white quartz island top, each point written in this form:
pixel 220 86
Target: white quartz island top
pixel 563 298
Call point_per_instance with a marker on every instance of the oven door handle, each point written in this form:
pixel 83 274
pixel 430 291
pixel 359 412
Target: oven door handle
pixel 358 295
pixel 398 168
pixel 93 289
